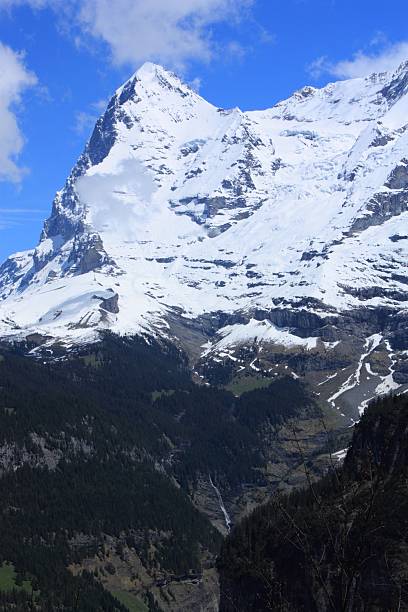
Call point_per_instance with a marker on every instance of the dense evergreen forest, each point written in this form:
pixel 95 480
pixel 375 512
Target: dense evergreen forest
pixel 340 544
pixel 110 441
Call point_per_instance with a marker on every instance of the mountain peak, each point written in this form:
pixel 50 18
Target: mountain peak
pixel 150 70
pixel 150 76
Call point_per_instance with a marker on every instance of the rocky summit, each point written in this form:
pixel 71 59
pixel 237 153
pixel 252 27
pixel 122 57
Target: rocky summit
pixel 261 243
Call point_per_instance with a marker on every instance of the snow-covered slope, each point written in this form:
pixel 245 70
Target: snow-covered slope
pixel 180 209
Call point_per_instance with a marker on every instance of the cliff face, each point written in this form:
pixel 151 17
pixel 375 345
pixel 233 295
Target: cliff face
pixel 380 441
pixel 339 544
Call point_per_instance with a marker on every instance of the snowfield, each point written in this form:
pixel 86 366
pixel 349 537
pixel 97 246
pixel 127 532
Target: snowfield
pixel 177 206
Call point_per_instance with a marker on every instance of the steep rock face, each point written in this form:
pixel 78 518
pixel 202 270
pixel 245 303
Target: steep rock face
pixel 294 217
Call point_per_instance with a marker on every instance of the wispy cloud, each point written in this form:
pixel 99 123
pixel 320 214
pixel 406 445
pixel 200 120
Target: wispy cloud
pixel 15 217
pixel 381 56
pixel 196 84
pixel 85 120
pixel 15 78
pixel 35 4
pixel 235 50
pixel 21 211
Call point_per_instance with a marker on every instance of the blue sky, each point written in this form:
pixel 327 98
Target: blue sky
pixel 60 60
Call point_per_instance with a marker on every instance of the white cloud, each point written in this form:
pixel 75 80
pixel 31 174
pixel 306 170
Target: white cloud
pixel 158 30
pixel 362 63
pixel 168 31
pixel 14 79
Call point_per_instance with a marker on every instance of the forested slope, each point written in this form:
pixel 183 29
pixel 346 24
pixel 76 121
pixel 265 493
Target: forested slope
pixel 109 460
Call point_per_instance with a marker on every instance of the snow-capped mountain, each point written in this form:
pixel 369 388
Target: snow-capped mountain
pixel 288 225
